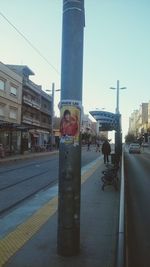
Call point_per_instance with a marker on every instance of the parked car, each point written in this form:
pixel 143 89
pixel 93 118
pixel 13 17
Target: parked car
pixel 134 148
pixel 144 144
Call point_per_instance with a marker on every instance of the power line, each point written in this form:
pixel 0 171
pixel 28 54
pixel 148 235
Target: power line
pixel 29 42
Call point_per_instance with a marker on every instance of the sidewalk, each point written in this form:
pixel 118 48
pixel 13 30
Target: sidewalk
pixel 30 155
pixel 34 242
pixel 27 156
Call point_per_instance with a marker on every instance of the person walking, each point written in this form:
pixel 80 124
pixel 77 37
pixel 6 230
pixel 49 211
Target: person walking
pixel 97 145
pixel 106 149
pixel 88 145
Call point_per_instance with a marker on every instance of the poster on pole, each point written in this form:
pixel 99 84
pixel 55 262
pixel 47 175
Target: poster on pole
pixel 70 124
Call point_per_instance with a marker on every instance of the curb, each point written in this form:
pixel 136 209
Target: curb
pixel 28 156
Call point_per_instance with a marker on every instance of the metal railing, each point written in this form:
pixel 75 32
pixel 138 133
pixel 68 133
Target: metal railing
pixel 120 257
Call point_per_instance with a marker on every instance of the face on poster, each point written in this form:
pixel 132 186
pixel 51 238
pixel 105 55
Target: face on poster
pixel 70 124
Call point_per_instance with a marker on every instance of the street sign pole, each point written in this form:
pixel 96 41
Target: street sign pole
pixel 68 236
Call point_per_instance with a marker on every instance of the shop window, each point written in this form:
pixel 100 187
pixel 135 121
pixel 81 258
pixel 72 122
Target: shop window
pixel 2 85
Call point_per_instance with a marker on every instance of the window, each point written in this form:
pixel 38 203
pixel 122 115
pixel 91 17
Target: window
pixel 2 85
pixel 2 110
pixel 13 90
pixel 45 106
pixel 13 114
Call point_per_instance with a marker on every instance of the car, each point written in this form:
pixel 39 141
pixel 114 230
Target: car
pixel 144 144
pixel 134 148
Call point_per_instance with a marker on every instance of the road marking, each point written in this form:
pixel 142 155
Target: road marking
pixel 16 239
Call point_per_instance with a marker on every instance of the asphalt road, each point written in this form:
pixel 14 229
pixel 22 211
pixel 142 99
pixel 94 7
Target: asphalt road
pixel 137 176
pixel 22 179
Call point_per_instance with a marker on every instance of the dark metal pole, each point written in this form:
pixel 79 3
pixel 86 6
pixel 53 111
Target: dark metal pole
pixel 68 241
pixel 52 114
pixel 117 98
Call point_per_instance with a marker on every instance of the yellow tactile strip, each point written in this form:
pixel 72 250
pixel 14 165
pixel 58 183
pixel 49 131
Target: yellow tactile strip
pixel 16 239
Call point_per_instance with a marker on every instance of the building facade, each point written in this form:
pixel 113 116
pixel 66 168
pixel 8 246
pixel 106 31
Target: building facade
pixel 36 111
pixel 10 109
pixel 139 121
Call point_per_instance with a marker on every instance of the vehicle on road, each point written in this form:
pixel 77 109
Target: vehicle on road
pixel 145 144
pixel 134 148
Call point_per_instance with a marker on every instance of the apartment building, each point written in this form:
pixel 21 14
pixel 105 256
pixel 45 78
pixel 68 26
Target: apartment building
pixel 133 127
pixel 36 110
pixel 139 120
pixel 10 109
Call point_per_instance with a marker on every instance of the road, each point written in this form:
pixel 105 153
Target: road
pixel 23 179
pixel 137 176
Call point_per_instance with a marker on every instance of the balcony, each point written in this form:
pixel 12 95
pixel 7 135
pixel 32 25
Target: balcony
pixel 27 119
pixel 36 88
pixel 46 110
pixel 31 102
pixel 36 122
pixel 46 125
pixel 28 101
pixel 30 120
pixel 36 104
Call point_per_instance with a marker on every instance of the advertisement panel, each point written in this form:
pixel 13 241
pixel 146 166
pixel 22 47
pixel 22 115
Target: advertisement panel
pixel 70 124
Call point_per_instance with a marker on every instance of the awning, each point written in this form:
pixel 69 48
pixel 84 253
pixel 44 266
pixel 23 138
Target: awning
pixel 7 126
pixel 35 135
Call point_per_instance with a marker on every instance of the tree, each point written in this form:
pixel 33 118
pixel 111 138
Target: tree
pixel 130 138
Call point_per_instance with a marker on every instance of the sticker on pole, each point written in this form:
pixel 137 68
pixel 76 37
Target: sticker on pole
pixel 70 124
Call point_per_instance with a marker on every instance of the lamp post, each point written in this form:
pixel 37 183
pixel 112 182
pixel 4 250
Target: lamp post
pixel 53 90
pixel 118 133
pixel 117 97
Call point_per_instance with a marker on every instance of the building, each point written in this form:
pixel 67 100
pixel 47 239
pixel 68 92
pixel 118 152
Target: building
pixel 139 121
pixel 133 126
pixel 10 109
pixel 36 111
pixel 88 125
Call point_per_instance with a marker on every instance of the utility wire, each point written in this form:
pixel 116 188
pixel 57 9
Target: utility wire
pixel 29 42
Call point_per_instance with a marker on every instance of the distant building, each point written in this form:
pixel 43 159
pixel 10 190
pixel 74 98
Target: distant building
pixel 133 126
pixel 139 120
pixel 36 110
pixel 10 109
pixel 88 125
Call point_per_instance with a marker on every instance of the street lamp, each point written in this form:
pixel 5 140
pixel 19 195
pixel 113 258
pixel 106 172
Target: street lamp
pixel 118 134
pixel 53 90
pixel 117 98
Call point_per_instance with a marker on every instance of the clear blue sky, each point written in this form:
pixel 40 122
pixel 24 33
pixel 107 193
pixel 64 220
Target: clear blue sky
pixel 116 46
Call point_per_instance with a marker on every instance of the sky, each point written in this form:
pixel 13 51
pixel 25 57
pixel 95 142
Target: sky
pixel 116 47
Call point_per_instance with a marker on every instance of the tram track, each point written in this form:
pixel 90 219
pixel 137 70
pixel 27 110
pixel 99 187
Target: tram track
pixel 20 182
pixel 24 180
pixel 26 166
pixel 3 211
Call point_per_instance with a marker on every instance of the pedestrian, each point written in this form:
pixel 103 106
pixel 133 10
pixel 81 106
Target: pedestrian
pixel 88 145
pixel 97 145
pixel 106 149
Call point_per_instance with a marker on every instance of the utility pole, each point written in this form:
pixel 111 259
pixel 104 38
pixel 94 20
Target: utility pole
pixel 68 241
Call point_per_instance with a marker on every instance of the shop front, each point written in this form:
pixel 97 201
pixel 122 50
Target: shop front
pixel 10 138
